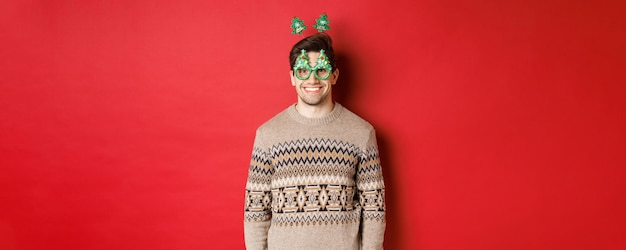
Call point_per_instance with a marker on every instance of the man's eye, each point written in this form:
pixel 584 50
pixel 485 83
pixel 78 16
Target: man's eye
pixel 322 73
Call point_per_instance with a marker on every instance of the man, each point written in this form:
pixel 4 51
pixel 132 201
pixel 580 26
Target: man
pixel 315 180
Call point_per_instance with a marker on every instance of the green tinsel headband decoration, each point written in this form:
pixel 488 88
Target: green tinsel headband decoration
pixel 321 24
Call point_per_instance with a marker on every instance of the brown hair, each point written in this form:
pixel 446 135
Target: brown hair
pixel 317 42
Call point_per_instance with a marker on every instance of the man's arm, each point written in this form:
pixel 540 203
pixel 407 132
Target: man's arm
pixel 371 190
pixel 257 213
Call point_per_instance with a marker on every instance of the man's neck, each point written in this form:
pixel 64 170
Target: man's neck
pixel 314 111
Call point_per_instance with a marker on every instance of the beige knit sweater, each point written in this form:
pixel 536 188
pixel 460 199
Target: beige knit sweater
pixel 315 184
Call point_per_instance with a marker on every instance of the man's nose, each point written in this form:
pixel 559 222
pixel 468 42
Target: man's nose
pixel 312 78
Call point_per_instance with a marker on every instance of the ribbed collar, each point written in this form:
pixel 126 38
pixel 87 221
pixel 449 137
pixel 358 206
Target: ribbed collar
pixel 293 113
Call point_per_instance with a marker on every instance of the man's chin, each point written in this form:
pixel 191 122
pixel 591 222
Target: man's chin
pixel 312 102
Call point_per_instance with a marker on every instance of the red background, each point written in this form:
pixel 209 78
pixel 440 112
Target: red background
pixel 129 124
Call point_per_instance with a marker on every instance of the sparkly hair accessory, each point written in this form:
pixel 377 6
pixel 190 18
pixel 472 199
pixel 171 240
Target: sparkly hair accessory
pixel 297 25
pixel 321 24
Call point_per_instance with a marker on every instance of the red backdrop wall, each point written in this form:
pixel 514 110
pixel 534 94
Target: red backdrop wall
pixel 129 124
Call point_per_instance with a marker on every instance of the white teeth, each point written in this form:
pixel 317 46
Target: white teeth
pixel 312 89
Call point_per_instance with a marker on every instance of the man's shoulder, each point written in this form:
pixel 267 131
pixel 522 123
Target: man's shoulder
pixel 276 122
pixel 355 121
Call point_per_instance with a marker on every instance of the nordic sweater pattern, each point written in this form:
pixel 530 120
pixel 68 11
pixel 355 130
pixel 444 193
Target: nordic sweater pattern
pixel 315 184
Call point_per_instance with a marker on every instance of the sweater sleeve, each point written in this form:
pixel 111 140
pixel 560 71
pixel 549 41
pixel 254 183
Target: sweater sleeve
pixel 257 213
pixel 371 191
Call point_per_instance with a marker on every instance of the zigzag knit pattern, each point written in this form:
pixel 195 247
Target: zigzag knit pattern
pixel 311 176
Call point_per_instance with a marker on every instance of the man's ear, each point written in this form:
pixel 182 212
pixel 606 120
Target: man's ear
pixel 293 81
pixel 335 75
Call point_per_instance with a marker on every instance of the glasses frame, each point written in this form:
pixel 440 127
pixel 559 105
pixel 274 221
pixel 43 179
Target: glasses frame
pixel 303 63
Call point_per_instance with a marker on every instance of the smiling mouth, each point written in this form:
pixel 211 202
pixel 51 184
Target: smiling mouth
pixel 312 89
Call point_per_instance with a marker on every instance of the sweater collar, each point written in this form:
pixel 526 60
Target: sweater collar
pixel 293 113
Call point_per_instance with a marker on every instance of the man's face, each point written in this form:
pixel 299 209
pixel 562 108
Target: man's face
pixel 314 91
